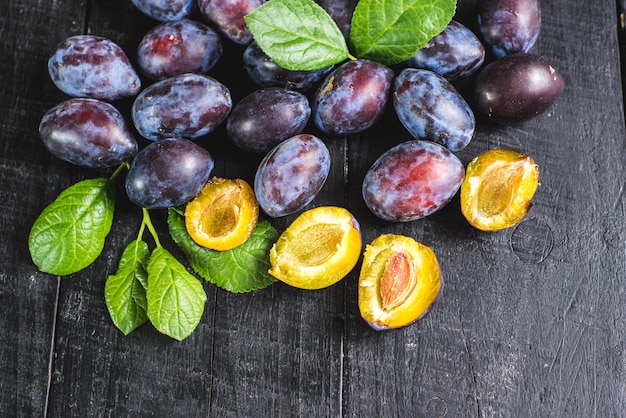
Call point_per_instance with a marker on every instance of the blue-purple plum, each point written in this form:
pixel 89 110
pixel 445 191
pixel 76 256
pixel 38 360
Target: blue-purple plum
pixel 352 98
pixel 341 11
pixel 267 117
pixel 456 53
pixel 87 132
pixel 94 67
pixel 165 10
pixel 264 71
pixel 509 26
pixel 412 180
pixel 291 175
pixel 516 88
pixel 168 172
pixel 227 17
pixel 178 47
pixel 431 108
pixel 187 106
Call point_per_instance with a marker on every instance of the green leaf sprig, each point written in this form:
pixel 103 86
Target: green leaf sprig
pixel 300 35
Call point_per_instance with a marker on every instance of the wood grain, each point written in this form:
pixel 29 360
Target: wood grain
pixel 531 322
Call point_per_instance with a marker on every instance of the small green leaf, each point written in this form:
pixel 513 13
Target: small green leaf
pixel 125 292
pixel 175 297
pixel 391 31
pixel 242 269
pixel 297 34
pixel 70 232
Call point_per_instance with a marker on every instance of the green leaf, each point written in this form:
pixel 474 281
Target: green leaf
pixel 297 34
pixel 175 297
pixel 125 292
pixel 391 31
pixel 70 232
pixel 242 269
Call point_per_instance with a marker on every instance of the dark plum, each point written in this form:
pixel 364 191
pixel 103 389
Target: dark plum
pixel 517 88
pixel 165 10
pixel 187 105
pixel 87 132
pixel 352 97
pixel 509 26
pixel 174 48
pixel 168 172
pixel 263 71
pixel 94 67
pixel 267 117
pixel 341 11
pixel 431 108
pixel 227 17
pixel 455 53
pixel 412 180
pixel 291 175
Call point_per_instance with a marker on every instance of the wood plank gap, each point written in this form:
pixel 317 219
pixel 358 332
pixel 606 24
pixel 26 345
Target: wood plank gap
pixel 55 314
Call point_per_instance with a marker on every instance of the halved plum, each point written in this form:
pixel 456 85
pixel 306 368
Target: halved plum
pixel 400 282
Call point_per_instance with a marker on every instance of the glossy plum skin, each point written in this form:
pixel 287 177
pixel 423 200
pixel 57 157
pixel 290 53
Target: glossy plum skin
pixel 87 132
pixel 165 10
pixel 509 26
pixel 352 97
pixel 227 16
pixel 187 106
pixel 291 175
pixel 263 71
pixel 455 53
pixel 516 88
pixel 431 108
pixel 412 180
pixel 174 48
pixel 94 67
pixel 267 117
pixel 341 11
pixel 167 173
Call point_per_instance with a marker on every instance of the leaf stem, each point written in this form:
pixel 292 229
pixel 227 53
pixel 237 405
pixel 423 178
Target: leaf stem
pixel 148 223
pixel 118 170
pixel 352 57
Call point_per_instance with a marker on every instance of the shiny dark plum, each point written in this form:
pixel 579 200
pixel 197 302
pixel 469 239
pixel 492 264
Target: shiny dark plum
pixel 168 172
pixel 87 132
pixel 509 26
pixel 227 17
pixel 412 180
pixel 352 97
pixel 165 10
pixel 174 48
pixel 267 117
pixel 455 53
pixel 341 11
pixel 263 71
pixel 187 105
pixel 517 88
pixel 431 108
pixel 94 67
pixel 291 175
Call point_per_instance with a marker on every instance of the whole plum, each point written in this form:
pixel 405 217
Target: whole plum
pixel 165 10
pixel 509 26
pixel 341 11
pixel 412 180
pixel 267 117
pixel 291 175
pixel 517 88
pixel 94 67
pixel 264 71
pixel 431 108
pixel 227 16
pixel 187 106
pixel 87 132
pixel 454 54
pixel 352 97
pixel 178 47
pixel 167 173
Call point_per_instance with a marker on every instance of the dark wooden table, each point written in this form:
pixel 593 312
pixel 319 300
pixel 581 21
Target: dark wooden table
pixel 532 321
